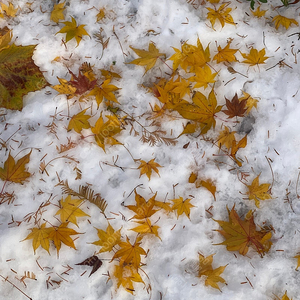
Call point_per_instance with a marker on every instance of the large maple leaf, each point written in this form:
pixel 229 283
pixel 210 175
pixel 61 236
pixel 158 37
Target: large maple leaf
pixel 79 122
pixel 15 171
pixel 203 110
pixel 255 57
pixel 226 54
pixel 241 234
pixel 18 75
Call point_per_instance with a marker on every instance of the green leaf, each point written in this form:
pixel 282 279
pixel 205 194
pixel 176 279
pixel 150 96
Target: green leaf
pixel 18 76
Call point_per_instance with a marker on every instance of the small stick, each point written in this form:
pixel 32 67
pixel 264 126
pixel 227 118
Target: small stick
pixel 16 287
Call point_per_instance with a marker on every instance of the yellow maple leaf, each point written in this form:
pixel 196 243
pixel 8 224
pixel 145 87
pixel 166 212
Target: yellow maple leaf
pixel 258 191
pixel 101 14
pixel 258 13
pixel 283 21
pixel 226 138
pixel 190 56
pixel 64 87
pixel 126 275
pixel 203 77
pixel 40 237
pixel 212 275
pixel 62 234
pixel 142 208
pixel 70 211
pixel 255 57
pixel 146 227
pixel 147 58
pixel 108 239
pixel 225 54
pixel 5 39
pixel 105 90
pixel 147 167
pixel 58 12
pixel 285 297
pixel 130 254
pixel 202 110
pixel 79 122
pixel 104 132
pixel 15 171
pixel 73 31
pixel 182 206
pixel 10 10
pixel 250 103
pixel 181 87
pixel 236 146
pixel 222 14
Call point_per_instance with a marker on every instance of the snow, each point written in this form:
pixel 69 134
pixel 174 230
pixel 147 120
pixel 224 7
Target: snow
pixel 171 264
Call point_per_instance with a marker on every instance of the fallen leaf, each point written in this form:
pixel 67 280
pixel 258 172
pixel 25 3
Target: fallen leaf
pixel 203 110
pixel 40 237
pixel 212 275
pixel 82 82
pixel 241 234
pixel 104 132
pixel 62 234
pixel 65 87
pixel 147 167
pixel 203 77
pixel 298 261
pixel 250 102
pixel 208 184
pixel 70 211
pixel 58 12
pixel 182 206
pixel 235 108
pixel 255 57
pixel 142 208
pixel 92 261
pixel 126 275
pixel 18 75
pixel 226 138
pixel 146 227
pixel 108 239
pixel 129 254
pixel 10 10
pixel 236 146
pixel 79 121
pixel 73 31
pixel 258 13
pixel 5 38
pixel 258 191
pixel 147 58
pixel 15 171
pixel 283 21
pixel 226 54
pixel 105 90
pixel 222 14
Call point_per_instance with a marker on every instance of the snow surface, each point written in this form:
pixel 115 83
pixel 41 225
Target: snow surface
pixel 170 263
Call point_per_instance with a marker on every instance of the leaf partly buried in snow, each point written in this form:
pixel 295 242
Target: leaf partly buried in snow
pixel 18 75
pixel 79 122
pixel 283 21
pixel 241 234
pixel 15 171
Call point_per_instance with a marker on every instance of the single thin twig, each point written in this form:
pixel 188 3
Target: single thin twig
pixel 16 287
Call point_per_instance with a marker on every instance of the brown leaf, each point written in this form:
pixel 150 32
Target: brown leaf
pixel 235 108
pixel 92 261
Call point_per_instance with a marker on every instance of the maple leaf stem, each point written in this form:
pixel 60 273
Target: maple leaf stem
pixel 167 64
pixel 2 190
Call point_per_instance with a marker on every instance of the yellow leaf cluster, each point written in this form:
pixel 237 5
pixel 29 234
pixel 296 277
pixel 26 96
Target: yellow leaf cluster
pixel 222 14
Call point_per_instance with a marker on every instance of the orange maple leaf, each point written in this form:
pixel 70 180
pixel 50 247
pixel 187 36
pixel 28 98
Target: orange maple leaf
pixel 142 208
pixel 130 254
pixel 241 234
pixel 147 167
pixel 225 54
